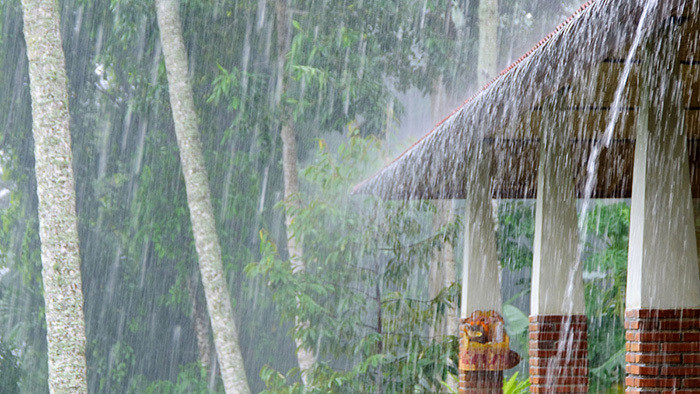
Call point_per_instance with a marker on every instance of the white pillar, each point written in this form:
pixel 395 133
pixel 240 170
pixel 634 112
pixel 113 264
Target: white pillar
pixel 662 268
pixel 557 284
pixel 481 289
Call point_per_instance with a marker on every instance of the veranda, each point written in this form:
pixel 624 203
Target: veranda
pixel 607 106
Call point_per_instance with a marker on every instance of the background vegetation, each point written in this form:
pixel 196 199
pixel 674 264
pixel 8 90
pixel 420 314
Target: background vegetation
pixel 354 66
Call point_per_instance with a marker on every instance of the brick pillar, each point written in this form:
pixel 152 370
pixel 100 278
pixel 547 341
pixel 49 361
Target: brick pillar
pixel 663 350
pixel 480 382
pixel 558 354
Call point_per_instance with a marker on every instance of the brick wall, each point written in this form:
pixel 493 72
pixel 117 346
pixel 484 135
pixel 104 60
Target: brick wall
pixel 558 354
pixel 663 350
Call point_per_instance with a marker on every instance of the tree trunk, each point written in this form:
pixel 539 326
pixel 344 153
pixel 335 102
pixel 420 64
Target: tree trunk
pixel 488 56
pixel 305 357
pixel 199 201
pixel 58 222
pixel 487 64
pixel 200 323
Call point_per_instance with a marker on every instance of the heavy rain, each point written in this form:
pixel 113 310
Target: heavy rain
pixel 209 196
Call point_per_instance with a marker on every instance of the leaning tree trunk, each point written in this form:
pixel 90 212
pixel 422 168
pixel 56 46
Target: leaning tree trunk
pixel 58 222
pixel 305 357
pixel 199 201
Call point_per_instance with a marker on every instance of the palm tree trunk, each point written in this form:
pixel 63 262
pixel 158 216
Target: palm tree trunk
pixel 199 200
pixel 58 222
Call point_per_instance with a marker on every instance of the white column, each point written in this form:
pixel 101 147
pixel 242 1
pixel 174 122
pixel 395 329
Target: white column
pixel 481 288
pixel 662 263
pixel 557 284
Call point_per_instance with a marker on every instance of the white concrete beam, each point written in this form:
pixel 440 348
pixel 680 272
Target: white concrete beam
pixel 663 257
pixel 557 284
pixel 481 288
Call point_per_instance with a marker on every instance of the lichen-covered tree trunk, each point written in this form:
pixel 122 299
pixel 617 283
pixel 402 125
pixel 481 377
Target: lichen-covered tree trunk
pixel 487 63
pixel 58 222
pixel 305 357
pixel 200 323
pixel 198 198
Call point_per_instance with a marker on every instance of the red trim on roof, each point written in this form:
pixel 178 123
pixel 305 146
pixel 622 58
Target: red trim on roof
pixel 491 82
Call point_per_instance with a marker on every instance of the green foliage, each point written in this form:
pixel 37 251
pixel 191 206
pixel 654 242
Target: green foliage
pixel 10 372
pixel 363 256
pixel 192 378
pixel 516 231
pixel 114 367
pixel 224 86
pixel 360 301
pixel 606 277
pixel 517 325
pixel 513 385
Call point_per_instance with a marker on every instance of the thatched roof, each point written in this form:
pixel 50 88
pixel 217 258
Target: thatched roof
pixel 572 76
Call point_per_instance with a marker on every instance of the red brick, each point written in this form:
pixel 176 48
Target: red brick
pixel 546 362
pixel 684 347
pixel 691 382
pixel 560 371
pixel 558 389
pixel 554 345
pixel 481 380
pixel 653 313
pixel 668 324
pixel 556 353
pixel 556 327
pixel 690 313
pixel 691 358
pixel 653 358
pixel 692 336
pixel 636 324
pixel 652 382
pixel 674 391
pixel 662 313
pixel 558 319
pixel 642 347
pixel 632 324
pixel 557 335
pixel 635 369
pixel 559 380
pixel 654 336
pixel 543 345
pixel 681 370
pixel 545 336
pixel 679 324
